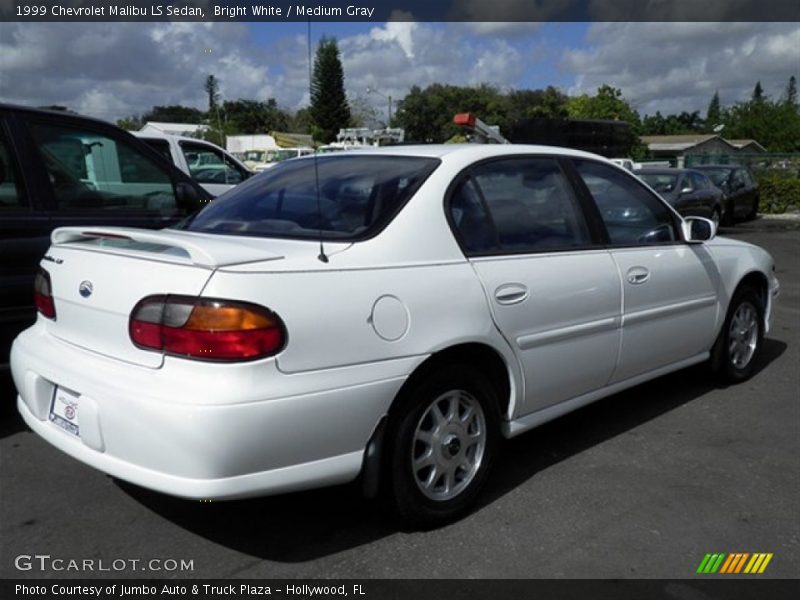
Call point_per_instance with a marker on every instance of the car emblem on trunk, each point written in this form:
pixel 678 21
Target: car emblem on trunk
pixel 85 288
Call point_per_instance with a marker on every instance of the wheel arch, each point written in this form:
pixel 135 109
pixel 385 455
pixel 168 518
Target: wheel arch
pixel 480 356
pixel 759 282
pixel 475 354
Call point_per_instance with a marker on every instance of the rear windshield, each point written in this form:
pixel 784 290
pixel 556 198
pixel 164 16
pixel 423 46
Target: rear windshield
pixel 356 196
pixel 718 176
pixel 660 182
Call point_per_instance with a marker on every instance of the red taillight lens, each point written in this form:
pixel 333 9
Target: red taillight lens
pixel 207 329
pixel 43 294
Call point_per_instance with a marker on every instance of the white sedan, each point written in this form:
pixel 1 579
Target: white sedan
pixel 388 314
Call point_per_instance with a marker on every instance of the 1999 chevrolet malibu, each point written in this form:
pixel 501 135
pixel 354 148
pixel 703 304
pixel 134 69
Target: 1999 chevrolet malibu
pixel 388 314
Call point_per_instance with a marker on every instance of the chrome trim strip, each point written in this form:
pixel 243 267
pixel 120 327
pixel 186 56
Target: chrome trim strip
pixel 660 312
pixel 531 340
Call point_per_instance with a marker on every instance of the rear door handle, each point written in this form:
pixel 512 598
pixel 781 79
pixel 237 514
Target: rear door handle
pixel 637 275
pixel 511 293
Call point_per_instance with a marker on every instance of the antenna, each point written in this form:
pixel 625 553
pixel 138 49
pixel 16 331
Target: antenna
pixel 322 256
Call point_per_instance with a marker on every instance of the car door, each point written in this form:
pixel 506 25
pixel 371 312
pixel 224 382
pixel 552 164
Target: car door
pixel 706 198
pixel 96 175
pixel 24 234
pixel 554 293
pixel 212 169
pixel 746 202
pixel 670 288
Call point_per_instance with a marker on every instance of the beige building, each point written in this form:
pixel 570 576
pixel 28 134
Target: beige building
pixel 677 147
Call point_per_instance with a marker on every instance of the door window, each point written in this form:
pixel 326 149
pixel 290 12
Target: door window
pixel 528 206
pixel 209 165
pixel 92 171
pixel 633 216
pixel 11 197
pixel 699 181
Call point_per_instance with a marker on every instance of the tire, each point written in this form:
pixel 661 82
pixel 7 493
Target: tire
pixel 728 213
pixel 738 346
pixel 753 211
pixel 716 217
pixel 441 443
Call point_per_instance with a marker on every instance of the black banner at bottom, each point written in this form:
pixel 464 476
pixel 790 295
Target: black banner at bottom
pixel 401 589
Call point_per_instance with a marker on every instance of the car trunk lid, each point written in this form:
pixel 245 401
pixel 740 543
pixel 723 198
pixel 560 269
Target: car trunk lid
pixel 99 274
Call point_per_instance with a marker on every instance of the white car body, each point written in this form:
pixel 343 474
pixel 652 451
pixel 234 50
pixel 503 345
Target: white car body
pixel 175 148
pixel 568 328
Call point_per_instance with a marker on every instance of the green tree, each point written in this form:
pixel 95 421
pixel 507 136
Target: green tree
pixel 251 116
pixel 329 109
pixel 212 89
pixel 608 103
pixel 758 93
pixel 791 92
pixel 714 112
pixel 174 114
pixel 427 115
pixel 131 123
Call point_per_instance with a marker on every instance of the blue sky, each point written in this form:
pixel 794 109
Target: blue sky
pixel 112 70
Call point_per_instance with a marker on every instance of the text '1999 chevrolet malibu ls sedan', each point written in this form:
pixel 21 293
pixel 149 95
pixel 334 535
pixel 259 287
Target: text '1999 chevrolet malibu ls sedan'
pixel 387 313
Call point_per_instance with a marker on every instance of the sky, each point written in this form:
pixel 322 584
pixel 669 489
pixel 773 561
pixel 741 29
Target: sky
pixel 113 70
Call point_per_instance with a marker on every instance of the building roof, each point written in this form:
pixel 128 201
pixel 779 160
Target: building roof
pixel 741 144
pixel 189 129
pixel 677 143
pixel 683 143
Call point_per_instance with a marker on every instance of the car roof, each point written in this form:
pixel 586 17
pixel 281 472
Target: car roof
pixel 701 167
pixel 65 114
pixel 157 135
pixel 663 171
pixel 474 150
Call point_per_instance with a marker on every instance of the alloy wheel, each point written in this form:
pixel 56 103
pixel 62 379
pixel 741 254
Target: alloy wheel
pixel 743 335
pixel 448 445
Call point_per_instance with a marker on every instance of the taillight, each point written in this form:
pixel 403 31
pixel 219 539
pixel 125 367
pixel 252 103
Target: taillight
pixel 206 328
pixel 43 294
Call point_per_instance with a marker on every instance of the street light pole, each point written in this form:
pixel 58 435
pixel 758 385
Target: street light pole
pixel 372 90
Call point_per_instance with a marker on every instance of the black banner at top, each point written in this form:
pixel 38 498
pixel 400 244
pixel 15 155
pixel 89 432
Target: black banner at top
pixel 400 10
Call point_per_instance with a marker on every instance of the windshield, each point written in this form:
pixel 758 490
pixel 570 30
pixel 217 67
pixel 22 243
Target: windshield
pixel 255 155
pixel 660 182
pixel 355 198
pixel 717 176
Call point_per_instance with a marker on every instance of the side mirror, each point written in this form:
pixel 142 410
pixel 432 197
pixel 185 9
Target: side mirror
pixel 698 229
pixel 187 196
pixel 686 190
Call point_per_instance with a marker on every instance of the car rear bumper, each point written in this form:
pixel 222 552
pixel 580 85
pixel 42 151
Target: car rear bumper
pixel 165 432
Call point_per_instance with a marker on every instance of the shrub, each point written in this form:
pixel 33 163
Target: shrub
pixel 779 193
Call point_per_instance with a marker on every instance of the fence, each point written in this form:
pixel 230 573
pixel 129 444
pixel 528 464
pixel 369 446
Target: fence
pixel 786 165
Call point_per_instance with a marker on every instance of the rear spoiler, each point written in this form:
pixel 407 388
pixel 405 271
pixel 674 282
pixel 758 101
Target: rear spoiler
pixel 212 254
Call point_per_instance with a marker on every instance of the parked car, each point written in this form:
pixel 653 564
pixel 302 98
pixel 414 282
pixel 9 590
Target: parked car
pixel 57 169
pixel 260 160
pixel 689 192
pixel 208 164
pixel 739 187
pixel 388 313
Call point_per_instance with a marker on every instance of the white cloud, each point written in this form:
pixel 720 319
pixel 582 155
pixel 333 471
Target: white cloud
pixel 674 67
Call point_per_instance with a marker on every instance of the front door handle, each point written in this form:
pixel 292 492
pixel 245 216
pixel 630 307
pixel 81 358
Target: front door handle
pixel 511 293
pixel 637 275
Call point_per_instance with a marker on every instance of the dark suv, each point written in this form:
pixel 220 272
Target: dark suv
pixel 58 168
pixel 740 189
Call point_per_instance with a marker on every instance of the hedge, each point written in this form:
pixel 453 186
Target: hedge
pixel 779 193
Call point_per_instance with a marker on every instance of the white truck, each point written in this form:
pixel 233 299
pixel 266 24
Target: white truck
pixel 208 164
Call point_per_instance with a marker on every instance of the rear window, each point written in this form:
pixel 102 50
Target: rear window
pixel 660 182
pixel 355 197
pixel 717 176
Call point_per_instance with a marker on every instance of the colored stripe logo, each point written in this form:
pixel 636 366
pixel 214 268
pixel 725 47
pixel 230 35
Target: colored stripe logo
pixel 734 563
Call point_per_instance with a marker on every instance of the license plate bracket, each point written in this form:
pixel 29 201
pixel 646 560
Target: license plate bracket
pixel 64 410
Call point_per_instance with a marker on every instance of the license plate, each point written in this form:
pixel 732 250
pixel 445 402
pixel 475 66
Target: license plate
pixel 64 410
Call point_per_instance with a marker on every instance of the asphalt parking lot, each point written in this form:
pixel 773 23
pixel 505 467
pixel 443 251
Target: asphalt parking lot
pixel 642 484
